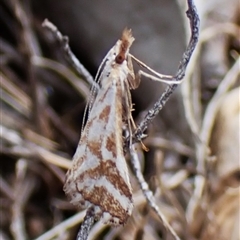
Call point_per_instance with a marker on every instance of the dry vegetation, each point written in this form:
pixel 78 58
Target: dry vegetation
pixel 196 183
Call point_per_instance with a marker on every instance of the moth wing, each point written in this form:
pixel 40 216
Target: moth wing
pixel 99 175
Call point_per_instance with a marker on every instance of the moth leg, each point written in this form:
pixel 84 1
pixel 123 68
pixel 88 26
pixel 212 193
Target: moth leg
pixel 133 82
pixel 135 127
pixel 131 118
pixel 169 79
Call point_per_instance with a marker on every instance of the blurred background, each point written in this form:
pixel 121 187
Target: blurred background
pixel 193 161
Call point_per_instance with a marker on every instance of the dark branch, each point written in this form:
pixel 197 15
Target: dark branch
pixel 152 113
pixel 63 41
pixel 86 225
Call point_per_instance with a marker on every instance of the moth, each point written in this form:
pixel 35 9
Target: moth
pixel 99 175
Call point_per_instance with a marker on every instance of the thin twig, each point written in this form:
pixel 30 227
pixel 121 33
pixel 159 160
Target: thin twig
pixel 148 193
pixel 65 225
pixel 6 189
pixel 187 90
pixel 15 91
pixel 178 147
pixel 24 148
pixel 97 229
pixel 30 45
pixel 202 150
pixel 23 189
pixel 210 114
pixel 152 113
pixel 61 69
pixel 63 40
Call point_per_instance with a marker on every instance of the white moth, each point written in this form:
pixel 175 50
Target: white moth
pixel 99 176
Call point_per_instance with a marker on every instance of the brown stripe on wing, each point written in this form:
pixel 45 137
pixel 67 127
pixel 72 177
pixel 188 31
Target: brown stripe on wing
pixel 104 115
pixel 103 97
pixel 111 145
pixel 109 170
pixel 95 148
pixel 101 197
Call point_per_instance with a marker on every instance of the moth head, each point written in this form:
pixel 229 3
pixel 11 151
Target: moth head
pixel 116 55
pixel 124 45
